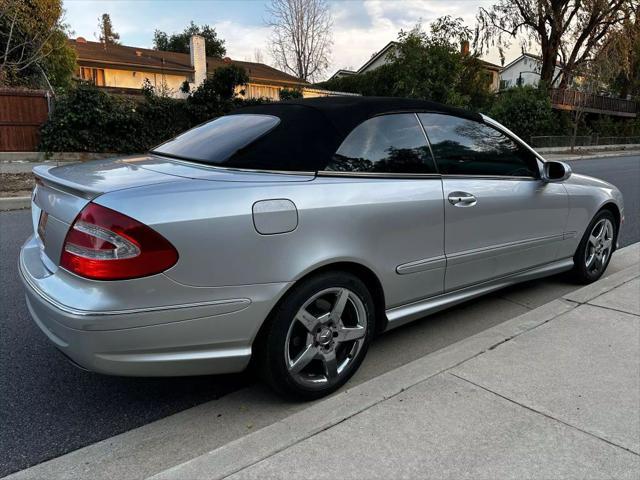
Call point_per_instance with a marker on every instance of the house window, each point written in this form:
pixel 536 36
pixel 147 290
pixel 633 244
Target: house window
pixel 94 75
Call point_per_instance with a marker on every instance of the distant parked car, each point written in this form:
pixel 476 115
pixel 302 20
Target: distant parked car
pixel 290 233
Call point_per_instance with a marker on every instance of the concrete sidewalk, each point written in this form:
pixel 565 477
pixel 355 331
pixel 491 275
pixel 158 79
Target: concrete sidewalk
pixel 553 393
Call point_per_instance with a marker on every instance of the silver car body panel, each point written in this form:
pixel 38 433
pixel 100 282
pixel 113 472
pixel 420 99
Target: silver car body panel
pixel 246 237
pixel 378 223
pixel 407 313
pixel 515 224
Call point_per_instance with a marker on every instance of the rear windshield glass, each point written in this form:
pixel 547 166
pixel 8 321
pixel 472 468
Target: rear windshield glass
pixel 215 142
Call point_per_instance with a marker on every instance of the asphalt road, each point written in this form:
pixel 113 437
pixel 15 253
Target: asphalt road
pixel 48 407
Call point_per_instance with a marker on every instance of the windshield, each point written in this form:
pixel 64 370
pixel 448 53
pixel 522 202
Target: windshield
pixel 216 141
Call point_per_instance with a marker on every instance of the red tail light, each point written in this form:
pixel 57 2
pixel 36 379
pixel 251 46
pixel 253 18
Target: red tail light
pixel 106 245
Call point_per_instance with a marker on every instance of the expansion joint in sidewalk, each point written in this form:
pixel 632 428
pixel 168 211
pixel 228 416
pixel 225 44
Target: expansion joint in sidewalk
pixel 510 400
pixel 611 309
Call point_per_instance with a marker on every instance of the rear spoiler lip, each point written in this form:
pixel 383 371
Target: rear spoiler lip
pixel 43 174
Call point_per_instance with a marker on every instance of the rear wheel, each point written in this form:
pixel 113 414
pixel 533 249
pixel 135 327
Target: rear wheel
pixel 595 249
pixel 318 336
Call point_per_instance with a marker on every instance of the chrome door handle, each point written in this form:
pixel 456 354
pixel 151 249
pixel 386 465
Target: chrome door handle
pixel 462 199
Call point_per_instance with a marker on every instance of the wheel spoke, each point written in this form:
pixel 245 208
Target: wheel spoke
pixel 607 243
pixel 330 346
pixel 309 321
pixel 346 334
pixel 330 365
pixel 593 239
pixel 599 262
pixel 338 308
pixel 590 259
pixel 303 359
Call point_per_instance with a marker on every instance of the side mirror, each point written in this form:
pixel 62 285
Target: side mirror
pixel 555 171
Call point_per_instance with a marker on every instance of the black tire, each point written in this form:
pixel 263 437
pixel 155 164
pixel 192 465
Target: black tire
pixel 273 351
pixel 581 273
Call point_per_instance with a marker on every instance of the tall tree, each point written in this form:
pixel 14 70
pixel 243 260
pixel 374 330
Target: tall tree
pixel 301 36
pixel 179 42
pixel 429 66
pixel 33 44
pixel 107 34
pixel 567 31
pixel 618 61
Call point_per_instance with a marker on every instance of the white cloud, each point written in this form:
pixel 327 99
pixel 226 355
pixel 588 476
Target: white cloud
pixel 242 40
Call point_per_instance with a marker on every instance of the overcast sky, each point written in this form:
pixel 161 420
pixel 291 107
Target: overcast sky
pixel 360 27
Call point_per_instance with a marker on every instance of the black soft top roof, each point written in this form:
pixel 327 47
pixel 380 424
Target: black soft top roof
pixel 312 129
pixel 345 113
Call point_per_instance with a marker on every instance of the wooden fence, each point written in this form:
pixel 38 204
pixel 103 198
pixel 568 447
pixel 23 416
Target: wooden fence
pixel 589 102
pixel 22 113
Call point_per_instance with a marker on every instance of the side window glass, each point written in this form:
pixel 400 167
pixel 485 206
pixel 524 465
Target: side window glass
pixel 466 147
pixel 387 144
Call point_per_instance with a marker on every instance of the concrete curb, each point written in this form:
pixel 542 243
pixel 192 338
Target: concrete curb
pixel 589 149
pixel 566 156
pixel 14 203
pixel 323 415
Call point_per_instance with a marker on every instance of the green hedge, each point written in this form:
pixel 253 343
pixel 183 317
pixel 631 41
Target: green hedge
pixel 526 111
pixel 88 119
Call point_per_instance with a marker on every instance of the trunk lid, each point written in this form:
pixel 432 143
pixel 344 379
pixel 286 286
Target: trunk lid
pixel 62 192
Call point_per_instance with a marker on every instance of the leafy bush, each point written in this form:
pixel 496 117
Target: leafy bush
pixel 526 111
pixel 88 119
pixel 606 126
pixel 290 93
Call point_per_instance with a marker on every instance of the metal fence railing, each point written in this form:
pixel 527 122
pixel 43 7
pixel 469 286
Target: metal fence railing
pixel 560 141
pixel 617 140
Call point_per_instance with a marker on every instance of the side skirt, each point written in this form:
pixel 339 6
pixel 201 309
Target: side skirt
pixel 407 313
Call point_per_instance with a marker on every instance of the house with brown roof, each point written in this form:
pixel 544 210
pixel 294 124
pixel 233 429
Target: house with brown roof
pixel 123 69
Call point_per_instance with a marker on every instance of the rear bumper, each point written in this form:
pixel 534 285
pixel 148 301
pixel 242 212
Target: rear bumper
pixel 209 337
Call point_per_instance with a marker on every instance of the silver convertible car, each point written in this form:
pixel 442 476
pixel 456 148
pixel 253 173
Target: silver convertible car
pixel 287 235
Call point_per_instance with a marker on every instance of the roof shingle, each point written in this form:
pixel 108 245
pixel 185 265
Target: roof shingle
pixel 128 58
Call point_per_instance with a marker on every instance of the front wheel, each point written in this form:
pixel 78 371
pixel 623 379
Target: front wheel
pixel 318 336
pixel 595 249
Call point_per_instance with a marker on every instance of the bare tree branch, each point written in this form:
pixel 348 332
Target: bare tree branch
pixel 301 36
pixel 569 30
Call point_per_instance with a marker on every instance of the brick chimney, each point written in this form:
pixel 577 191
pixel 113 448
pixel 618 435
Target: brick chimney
pixel 464 47
pixel 198 53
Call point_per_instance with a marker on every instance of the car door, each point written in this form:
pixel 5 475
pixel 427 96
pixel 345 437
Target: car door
pixel 394 199
pixel 500 217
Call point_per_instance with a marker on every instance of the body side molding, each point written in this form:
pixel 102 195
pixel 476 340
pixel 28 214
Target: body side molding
pixel 406 313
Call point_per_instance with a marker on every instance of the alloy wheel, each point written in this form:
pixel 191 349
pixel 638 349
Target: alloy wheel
pixel 325 337
pixel 599 246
